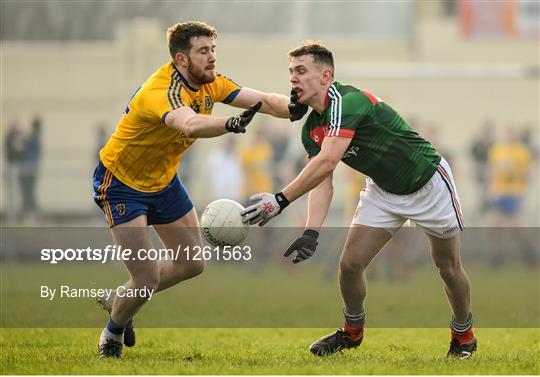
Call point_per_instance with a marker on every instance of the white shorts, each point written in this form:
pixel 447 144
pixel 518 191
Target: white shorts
pixel 435 207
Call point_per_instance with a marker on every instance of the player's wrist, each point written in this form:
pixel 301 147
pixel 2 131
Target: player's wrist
pixel 232 124
pixel 311 233
pixel 282 201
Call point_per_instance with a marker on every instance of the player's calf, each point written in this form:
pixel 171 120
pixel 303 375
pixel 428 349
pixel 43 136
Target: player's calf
pixel 105 302
pixel 193 269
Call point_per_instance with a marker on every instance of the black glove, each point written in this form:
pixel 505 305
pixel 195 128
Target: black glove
pixel 296 110
pixel 238 123
pixel 305 246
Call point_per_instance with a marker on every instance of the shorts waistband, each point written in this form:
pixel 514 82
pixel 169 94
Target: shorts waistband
pixel 434 178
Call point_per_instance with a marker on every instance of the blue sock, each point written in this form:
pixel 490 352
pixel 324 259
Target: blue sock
pixel 114 328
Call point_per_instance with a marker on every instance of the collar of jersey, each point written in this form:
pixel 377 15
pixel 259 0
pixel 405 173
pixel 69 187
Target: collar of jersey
pixel 184 80
pixel 326 100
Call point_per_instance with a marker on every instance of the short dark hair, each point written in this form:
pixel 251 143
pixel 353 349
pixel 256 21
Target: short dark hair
pixel 179 36
pixel 315 48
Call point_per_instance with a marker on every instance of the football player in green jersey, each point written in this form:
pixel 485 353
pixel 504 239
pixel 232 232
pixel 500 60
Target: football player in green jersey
pixel 407 179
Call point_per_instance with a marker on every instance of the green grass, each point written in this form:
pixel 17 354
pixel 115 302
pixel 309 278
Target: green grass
pixel 278 296
pixel 266 351
pixel 281 297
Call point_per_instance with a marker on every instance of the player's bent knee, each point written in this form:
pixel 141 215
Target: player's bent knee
pixel 449 273
pixel 194 268
pixel 140 292
pixel 350 266
pixel 149 283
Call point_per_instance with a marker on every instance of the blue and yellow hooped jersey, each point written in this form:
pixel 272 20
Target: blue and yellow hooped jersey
pixel 143 153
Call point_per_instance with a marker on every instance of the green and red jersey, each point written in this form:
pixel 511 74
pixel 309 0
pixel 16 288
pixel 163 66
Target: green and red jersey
pixel 383 145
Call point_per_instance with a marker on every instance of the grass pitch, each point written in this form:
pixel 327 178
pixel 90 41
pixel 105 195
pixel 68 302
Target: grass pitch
pixel 275 297
pixel 228 296
pixel 266 351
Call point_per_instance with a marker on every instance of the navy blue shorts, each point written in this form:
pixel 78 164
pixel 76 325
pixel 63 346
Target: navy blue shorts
pixel 121 203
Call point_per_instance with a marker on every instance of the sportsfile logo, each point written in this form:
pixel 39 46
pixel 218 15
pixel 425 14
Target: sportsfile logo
pixel 220 251
pixel 109 253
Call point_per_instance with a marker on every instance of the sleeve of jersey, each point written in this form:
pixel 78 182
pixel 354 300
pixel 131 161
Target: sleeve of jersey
pixel 160 101
pixel 346 112
pixel 227 90
pixel 309 145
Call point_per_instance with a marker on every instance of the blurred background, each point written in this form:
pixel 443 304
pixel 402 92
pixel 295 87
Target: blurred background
pixel 465 74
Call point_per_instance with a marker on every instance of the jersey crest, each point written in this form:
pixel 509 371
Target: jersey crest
pixel 317 134
pixel 208 104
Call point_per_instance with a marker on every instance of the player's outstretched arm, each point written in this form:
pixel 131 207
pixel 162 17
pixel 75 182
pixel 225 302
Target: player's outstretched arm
pixel 319 167
pixel 273 104
pixel 267 206
pixel 319 200
pixel 195 125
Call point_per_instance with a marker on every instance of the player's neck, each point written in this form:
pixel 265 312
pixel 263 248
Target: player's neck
pixel 185 74
pixel 319 102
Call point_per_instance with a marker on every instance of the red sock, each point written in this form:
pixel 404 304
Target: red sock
pixel 463 337
pixel 354 330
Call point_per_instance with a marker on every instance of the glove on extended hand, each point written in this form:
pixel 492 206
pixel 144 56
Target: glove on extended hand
pixel 237 124
pixel 304 246
pixel 296 110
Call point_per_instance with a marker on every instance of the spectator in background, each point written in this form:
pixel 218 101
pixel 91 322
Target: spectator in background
pixel 279 142
pixel 256 158
pixel 480 147
pixel 102 135
pixel 227 178
pixel 188 166
pixel 292 163
pixel 14 147
pixel 432 134
pixel 509 171
pixel 101 139
pixel 31 156
pixel 526 138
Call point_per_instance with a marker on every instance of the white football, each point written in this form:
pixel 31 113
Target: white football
pixel 221 223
